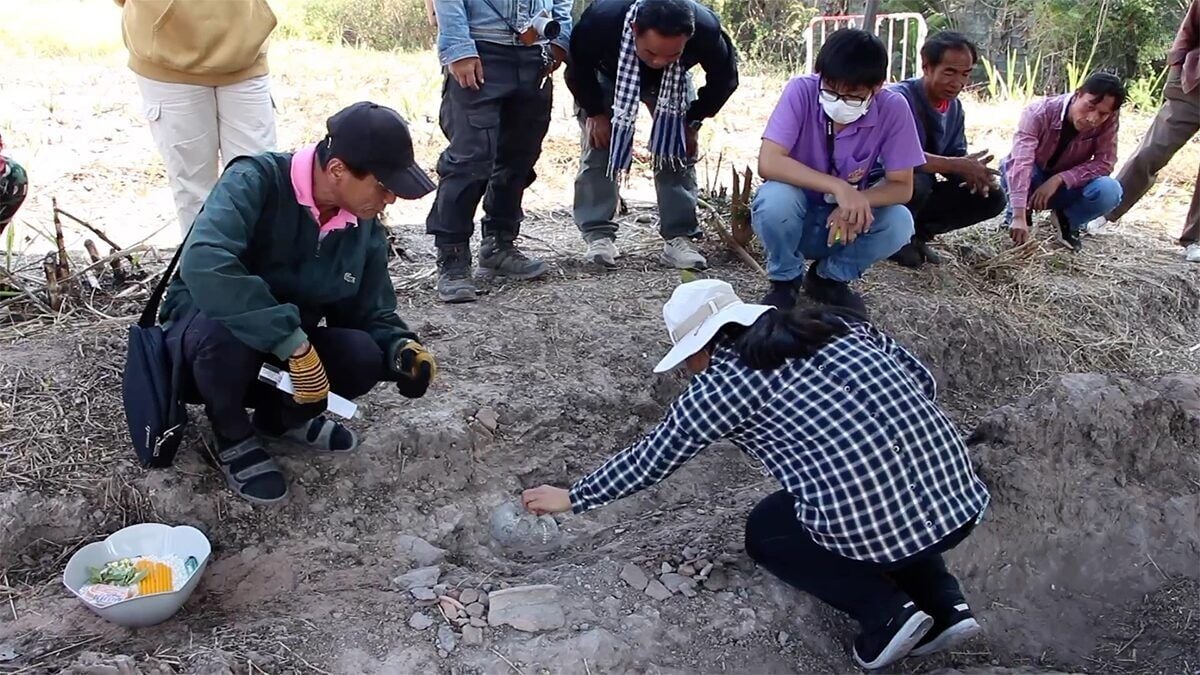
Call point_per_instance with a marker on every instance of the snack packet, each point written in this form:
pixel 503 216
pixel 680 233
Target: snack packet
pixel 103 595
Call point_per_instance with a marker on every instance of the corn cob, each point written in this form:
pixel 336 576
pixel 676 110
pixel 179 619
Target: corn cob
pixel 157 579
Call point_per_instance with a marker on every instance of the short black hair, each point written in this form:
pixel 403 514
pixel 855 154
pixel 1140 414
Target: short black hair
pixel 325 153
pixel 669 18
pixel 943 41
pixel 854 58
pixel 1102 85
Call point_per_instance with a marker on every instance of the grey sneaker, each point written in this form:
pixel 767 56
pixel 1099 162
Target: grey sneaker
pixel 454 282
pixel 500 258
pixel 681 253
pixel 602 252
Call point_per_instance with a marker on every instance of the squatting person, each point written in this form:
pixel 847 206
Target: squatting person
pixel 876 481
pixel 827 133
pixel 283 242
pixel 967 192
pixel 1061 158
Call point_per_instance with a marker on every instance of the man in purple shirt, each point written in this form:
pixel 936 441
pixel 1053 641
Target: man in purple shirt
pixel 826 134
pixel 1062 155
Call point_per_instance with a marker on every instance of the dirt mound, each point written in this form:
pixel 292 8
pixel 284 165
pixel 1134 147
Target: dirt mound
pixel 1096 502
pixel 540 383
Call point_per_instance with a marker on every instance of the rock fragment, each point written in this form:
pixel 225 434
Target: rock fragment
pixel 634 576
pixel 656 590
pixel 527 608
pixel 472 635
pixel 421 576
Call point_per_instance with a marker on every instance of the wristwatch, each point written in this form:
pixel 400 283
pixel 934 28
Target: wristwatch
pixel 695 125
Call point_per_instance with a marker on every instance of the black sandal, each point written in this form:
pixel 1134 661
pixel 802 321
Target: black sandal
pixel 320 433
pixel 251 472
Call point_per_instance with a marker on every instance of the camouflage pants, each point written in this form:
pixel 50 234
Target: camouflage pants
pixel 13 186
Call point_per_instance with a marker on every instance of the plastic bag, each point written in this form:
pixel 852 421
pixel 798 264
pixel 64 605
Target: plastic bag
pixel 523 534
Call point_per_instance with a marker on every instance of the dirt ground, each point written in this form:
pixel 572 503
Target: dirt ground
pixel 1075 378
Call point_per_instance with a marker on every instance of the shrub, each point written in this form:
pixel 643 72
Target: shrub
pixel 384 25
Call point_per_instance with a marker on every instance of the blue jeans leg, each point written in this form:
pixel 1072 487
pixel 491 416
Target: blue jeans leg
pixel 1036 178
pixel 891 230
pixel 1095 199
pixel 778 213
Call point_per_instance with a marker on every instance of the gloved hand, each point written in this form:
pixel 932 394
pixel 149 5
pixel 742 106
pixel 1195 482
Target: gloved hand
pixel 416 368
pixel 309 383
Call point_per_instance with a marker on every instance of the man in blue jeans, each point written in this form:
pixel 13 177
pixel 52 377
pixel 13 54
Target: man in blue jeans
pixel 1062 155
pixel 826 134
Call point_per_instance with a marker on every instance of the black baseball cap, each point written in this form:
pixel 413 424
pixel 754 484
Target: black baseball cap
pixel 374 138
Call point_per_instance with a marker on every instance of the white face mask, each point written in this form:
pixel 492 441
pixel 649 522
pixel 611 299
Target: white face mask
pixel 841 112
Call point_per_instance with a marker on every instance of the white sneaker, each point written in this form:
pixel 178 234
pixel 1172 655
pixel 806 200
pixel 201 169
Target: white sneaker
pixel 1095 225
pixel 1192 253
pixel 602 251
pixel 681 253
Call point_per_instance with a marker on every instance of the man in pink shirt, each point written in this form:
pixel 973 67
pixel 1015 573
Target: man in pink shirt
pixel 1062 155
pixel 1176 123
pixel 286 264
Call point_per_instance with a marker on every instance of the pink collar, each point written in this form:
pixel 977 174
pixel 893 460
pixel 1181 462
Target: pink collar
pixel 302 185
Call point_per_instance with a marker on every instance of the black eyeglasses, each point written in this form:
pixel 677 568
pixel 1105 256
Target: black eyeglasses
pixel 851 100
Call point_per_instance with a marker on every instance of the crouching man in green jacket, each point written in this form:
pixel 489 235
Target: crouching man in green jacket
pixel 283 242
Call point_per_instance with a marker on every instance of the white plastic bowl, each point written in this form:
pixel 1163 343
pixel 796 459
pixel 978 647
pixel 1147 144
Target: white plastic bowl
pixel 138 540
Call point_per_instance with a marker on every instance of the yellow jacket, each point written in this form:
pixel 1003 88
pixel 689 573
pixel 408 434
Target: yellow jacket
pixel 205 42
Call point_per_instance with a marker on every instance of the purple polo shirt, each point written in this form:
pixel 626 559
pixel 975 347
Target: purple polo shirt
pixel 887 134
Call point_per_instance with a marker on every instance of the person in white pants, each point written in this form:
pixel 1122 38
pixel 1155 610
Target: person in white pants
pixel 202 71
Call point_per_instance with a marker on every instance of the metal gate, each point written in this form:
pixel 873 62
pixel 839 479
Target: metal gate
pixel 902 33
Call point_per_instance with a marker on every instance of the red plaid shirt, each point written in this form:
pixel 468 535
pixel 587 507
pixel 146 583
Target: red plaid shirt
pixel 1088 156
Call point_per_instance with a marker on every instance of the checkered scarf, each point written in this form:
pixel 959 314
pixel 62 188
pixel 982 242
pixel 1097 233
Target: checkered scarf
pixel 667 133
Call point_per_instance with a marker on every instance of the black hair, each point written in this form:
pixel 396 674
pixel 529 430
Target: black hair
pixel 943 41
pixel 854 58
pixel 325 153
pixel 1102 85
pixel 781 335
pixel 669 18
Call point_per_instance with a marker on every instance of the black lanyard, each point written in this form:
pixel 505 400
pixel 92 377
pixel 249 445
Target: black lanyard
pixel 829 142
pixel 829 145
pixel 504 18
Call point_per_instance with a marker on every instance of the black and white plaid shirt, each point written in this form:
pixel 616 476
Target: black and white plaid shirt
pixel 877 470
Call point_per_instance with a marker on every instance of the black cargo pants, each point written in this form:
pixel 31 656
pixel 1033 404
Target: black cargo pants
pixel 495 138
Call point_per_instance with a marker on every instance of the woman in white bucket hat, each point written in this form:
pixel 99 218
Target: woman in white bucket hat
pixel 877 481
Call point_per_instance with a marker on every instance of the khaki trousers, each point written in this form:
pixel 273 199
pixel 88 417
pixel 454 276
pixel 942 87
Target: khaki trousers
pixel 199 129
pixel 1177 121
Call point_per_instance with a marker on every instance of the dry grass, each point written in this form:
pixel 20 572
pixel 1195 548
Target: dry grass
pixel 1124 305
pixel 1092 306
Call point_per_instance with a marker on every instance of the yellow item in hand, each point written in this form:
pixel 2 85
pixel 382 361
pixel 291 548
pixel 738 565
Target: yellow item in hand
pixel 309 383
pixel 412 357
pixel 157 579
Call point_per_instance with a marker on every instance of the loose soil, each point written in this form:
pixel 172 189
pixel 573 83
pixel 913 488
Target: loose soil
pixel 1075 378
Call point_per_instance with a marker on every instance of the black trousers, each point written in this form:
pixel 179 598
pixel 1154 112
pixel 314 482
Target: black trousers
pixel 222 373
pixel 942 206
pixel 871 593
pixel 495 138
